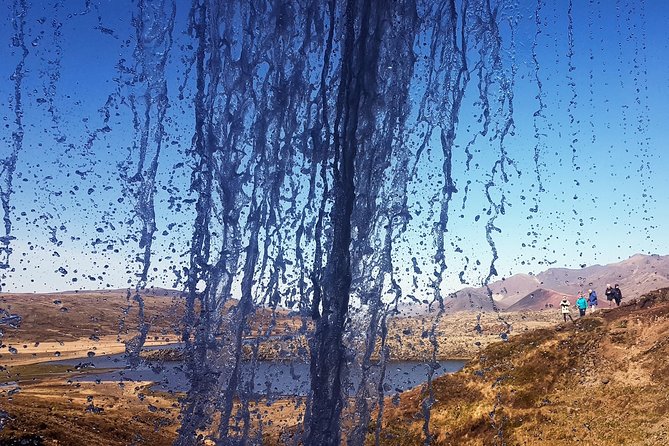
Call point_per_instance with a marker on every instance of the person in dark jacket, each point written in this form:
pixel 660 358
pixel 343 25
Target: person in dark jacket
pixel 609 293
pixel 617 295
pixel 592 300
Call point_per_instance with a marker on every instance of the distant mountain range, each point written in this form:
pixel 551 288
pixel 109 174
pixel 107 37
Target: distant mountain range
pixel 637 275
pixel 152 291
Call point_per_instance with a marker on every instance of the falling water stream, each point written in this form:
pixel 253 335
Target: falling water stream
pixel 308 151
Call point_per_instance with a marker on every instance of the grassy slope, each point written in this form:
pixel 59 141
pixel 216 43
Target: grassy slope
pixel 601 381
pixel 80 315
pixel 53 413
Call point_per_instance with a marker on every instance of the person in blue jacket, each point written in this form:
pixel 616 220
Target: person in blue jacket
pixel 582 304
pixel 592 300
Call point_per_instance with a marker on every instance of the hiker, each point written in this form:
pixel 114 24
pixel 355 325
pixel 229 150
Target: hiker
pixel 592 300
pixel 617 295
pixel 609 293
pixel 582 304
pixel 564 306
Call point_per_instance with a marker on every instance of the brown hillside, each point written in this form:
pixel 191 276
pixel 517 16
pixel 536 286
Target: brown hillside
pixel 80 315
pixel 637 275
pixel 601 381
pixel 539 299
pixel 511 289
pixel 69 325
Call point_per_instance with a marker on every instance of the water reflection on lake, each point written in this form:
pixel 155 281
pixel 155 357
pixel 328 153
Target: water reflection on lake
pixel 272 378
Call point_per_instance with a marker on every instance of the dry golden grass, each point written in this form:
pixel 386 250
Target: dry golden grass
pixel 545 386
pixel 89 414
pixel 457 335
pixel 602 381
pixel 84 315
pixel 108 414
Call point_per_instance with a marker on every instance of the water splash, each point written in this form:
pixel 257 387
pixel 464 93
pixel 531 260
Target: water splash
pixel 8 162
pixel 154 25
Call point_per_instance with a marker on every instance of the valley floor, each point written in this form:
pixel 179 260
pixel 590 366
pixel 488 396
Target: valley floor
pixel 601 381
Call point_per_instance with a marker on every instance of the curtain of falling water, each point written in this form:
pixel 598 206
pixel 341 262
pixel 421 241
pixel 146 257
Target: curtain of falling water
pixel 254 102
pixel 310 121
pixel 8 162
pixel 154 24
pixel 455 31
pixel 381 213
pixel 340 73
pixel 447 78
pixel 370 111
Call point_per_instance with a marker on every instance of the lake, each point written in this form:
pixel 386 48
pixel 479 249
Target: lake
pixel 272 378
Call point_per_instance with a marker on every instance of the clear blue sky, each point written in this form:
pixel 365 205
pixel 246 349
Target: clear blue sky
pixel 601 145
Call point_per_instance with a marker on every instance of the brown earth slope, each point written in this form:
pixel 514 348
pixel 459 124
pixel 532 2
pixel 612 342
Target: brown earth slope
pixel 601 381
pixel 71 324
pixel 636 275
pixel 540 299
pixel 68 316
